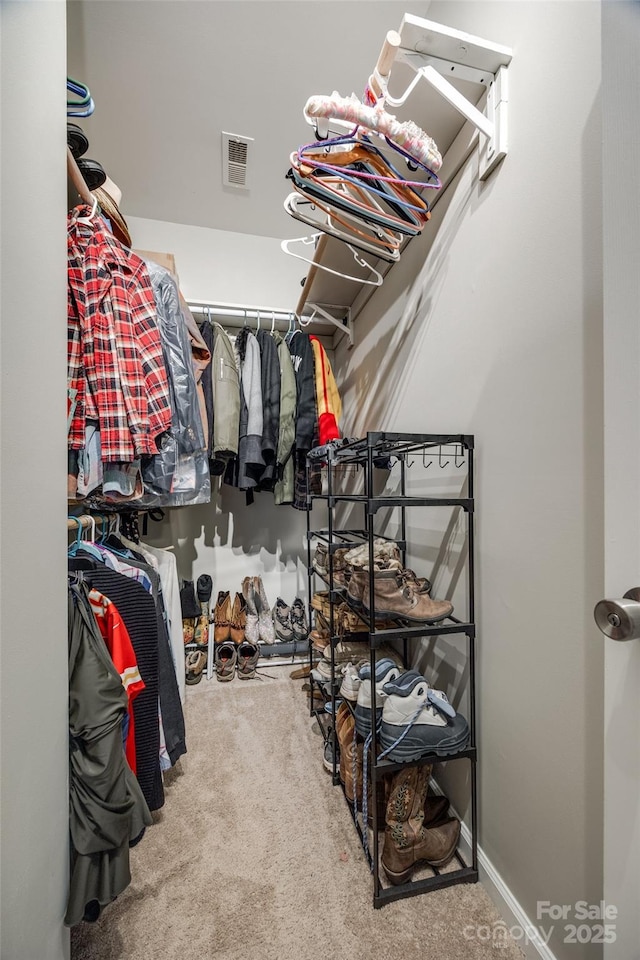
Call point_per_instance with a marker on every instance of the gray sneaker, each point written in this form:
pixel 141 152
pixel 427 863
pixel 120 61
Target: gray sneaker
pixel 282 620
pixel 226 659
pixel 248 656
pixel 299 623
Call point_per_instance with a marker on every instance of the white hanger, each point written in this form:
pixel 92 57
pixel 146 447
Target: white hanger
pixel 295 206
pixel 356 256
pixel 94 209
pixel 273 322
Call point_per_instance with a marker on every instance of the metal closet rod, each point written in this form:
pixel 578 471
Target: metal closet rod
pixel 235 315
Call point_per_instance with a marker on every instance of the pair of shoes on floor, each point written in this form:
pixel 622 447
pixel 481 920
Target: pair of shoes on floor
pixel 290 622
pixel 229 618
pixel 195 662
pixel 259 623
pixel 241 659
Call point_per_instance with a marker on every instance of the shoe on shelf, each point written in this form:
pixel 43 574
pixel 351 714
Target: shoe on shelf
pixel 195 662
pixel 282 620
pixel 322 672
pixel 327 756
pixel 346 650
pixel 386 671
pixel 320 560
pixel 394 596
pixel 418 720
pixel 226 659
pixel 358 587
pixel 382 550
pixel 251 626
pixel 407 840
pixel 299 622
pixel 238 619
pixel 248 656
pixel 222 617
pixel 266 631
pixel 189 630
pixel 350 682
pixel 320 602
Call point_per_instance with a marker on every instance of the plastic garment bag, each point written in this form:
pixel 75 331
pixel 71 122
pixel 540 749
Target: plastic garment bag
pixel 179 473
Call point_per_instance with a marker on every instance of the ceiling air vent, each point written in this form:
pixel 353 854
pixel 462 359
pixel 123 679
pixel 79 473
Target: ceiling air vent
pixel 235 151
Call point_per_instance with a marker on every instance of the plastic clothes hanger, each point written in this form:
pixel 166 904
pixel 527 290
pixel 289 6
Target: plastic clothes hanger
pixel 351 197
pixel 410 139
pixel 379 242
pixel 273 322
pixel 376 282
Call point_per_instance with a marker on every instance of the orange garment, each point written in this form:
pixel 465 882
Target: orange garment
pixel 118 642
pixel 328 400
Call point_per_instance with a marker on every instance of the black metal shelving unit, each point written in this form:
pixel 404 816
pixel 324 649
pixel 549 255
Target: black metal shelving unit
pixel 364 455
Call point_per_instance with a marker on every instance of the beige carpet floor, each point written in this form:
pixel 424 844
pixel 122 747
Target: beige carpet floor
pixel 254 855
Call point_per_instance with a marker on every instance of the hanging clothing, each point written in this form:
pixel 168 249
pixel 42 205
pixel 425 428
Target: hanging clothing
pixel 106 807
pixel 114 353
pixel 208 338
pixel 270 381
pixel 328 400
pixel 168 573
pixel 247 468
pixel 226 402
pixel 283 491
pixel 138 613
pixel 306 418
pixel 115 635
pixel 200 359
pixel 178 473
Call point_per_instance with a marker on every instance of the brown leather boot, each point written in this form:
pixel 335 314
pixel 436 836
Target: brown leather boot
pixel 395 596
pixel 238 618
pixel 222 617
pixel 407 842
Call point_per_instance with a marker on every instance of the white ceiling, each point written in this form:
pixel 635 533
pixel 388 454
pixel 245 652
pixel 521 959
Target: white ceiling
pixel 168 76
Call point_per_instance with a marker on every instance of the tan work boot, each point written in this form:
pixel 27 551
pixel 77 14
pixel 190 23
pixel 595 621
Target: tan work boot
pixel 394 596
pixel 238 618
pixel 222 617
pixel 407 842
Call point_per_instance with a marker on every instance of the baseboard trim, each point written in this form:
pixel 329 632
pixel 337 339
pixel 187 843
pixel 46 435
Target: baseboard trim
pixel 512 913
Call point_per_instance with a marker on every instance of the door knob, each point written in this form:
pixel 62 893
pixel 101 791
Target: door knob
pixel 620 619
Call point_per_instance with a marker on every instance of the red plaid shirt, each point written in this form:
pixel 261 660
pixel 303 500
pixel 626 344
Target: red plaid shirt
pixel 114 352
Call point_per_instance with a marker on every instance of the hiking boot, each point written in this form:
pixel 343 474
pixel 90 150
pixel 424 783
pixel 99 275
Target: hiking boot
pixel 238 619
pixel 407 841
pixel 299 623
pixel 418 720
pixel 420 584
pixel 386 671
pixel 382 550
pixel 282 620
pixel 248 656
pixel 225 661
pixel 222 617
pixel 195 662
pixel 251 625
pixel 320 560
pixel 395 597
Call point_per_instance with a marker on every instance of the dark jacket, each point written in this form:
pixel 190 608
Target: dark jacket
pixel 302 356
pixel 270 378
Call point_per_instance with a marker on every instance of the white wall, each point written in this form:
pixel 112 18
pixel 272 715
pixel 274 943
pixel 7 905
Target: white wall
pixel 491 324
pixel 228 539
pixel 221 265
pixel 33 613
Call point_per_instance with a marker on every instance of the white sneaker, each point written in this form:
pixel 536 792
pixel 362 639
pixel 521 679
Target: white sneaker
pixel 350 682
pixel 418 720
pixel 386 672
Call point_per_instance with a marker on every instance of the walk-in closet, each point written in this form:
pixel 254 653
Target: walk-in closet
pixel 318 608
